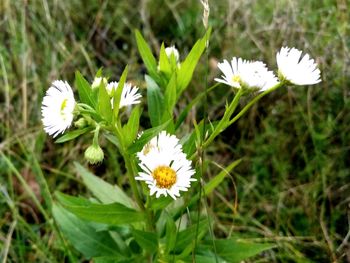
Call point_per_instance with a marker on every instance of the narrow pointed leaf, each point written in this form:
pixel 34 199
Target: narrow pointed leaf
pixel 237 250
pixel 146 240
pixel 189 64
pixel 73 134
pixel 110 214
pixel 118 93
pixel 84 89
pixel 155 102
pixel 102 190
pixel 131 129
pixel 104 103
pixel 146 54
pixel 164 64
pixel 83 235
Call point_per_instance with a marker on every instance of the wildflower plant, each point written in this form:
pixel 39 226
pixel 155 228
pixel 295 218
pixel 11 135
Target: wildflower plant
pixel 160 219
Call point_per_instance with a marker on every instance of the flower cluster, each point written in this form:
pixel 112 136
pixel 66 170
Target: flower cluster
pixel 165 168
pixel 163 164
pixel 254 75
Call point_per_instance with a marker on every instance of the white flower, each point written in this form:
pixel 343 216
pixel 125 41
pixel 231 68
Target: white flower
pixel 129 95
pixel 172 50
pixel 297 70
pixel 165 168
pixel 57 108
pixel 97 82
pixel 246 74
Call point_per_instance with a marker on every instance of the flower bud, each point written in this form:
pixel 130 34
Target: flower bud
pixel 97 82
pixel 94 154
pixel 81 123
pixel 172 50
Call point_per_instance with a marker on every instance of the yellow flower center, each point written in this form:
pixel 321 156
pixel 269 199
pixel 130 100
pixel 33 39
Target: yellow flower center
pixel 164 176
pixel 236 78
pixel 63 105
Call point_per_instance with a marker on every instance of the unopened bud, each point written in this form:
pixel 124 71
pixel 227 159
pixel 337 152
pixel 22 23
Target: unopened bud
pixel 81 123
pixel 172 50
pixel 94 154
pixel 97 82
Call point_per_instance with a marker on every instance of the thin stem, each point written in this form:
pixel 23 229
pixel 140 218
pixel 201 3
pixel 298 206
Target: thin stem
pixel 131 171
pixel 253 101
pixel 223 123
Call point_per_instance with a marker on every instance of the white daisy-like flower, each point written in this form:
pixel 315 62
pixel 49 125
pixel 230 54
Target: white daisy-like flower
pixel 97 82
pixel 246 74
pixel 172 50
pixel 57 108
pixel 297 70
pixel 165 168
pixel 129 95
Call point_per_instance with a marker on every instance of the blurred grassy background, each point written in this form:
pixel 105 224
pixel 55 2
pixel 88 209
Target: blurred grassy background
pixel 294 182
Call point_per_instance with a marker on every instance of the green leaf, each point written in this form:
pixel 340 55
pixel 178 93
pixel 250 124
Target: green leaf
pixel 170 97
pixel 235 251
pixel 147 240
pixel 164 64
pixel 189 64
pixel 131 129
pixel 99 73
pixel 170 235
pixel 146 55
pixel 83 235
pixel 110 214
pixel 102 190
pixel 104 103
pixel 185 238
pixel 73 134
pixel 118 92
pixel 84 89
pixel 161 203
pixel 146 136
pixel 155 101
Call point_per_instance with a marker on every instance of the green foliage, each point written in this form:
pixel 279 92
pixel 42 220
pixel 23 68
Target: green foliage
pixel 84 89
pixel 103 191
pixel 131 128
pixel 83 236
pixel 147 240
pixel 117 95
pixel 235 251
pixel 293 179
pixel 111 214
pixel 104 103
pixel 155 101
pixel 73 134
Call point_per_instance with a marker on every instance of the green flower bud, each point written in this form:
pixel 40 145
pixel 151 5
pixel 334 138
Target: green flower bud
pixel 81 123
pixel 94 154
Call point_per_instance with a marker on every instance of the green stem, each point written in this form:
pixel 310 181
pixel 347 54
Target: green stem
pixel 223 123
pixel 253 101
pixel 131 171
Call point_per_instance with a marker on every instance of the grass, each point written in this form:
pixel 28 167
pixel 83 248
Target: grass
pixel 293 185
